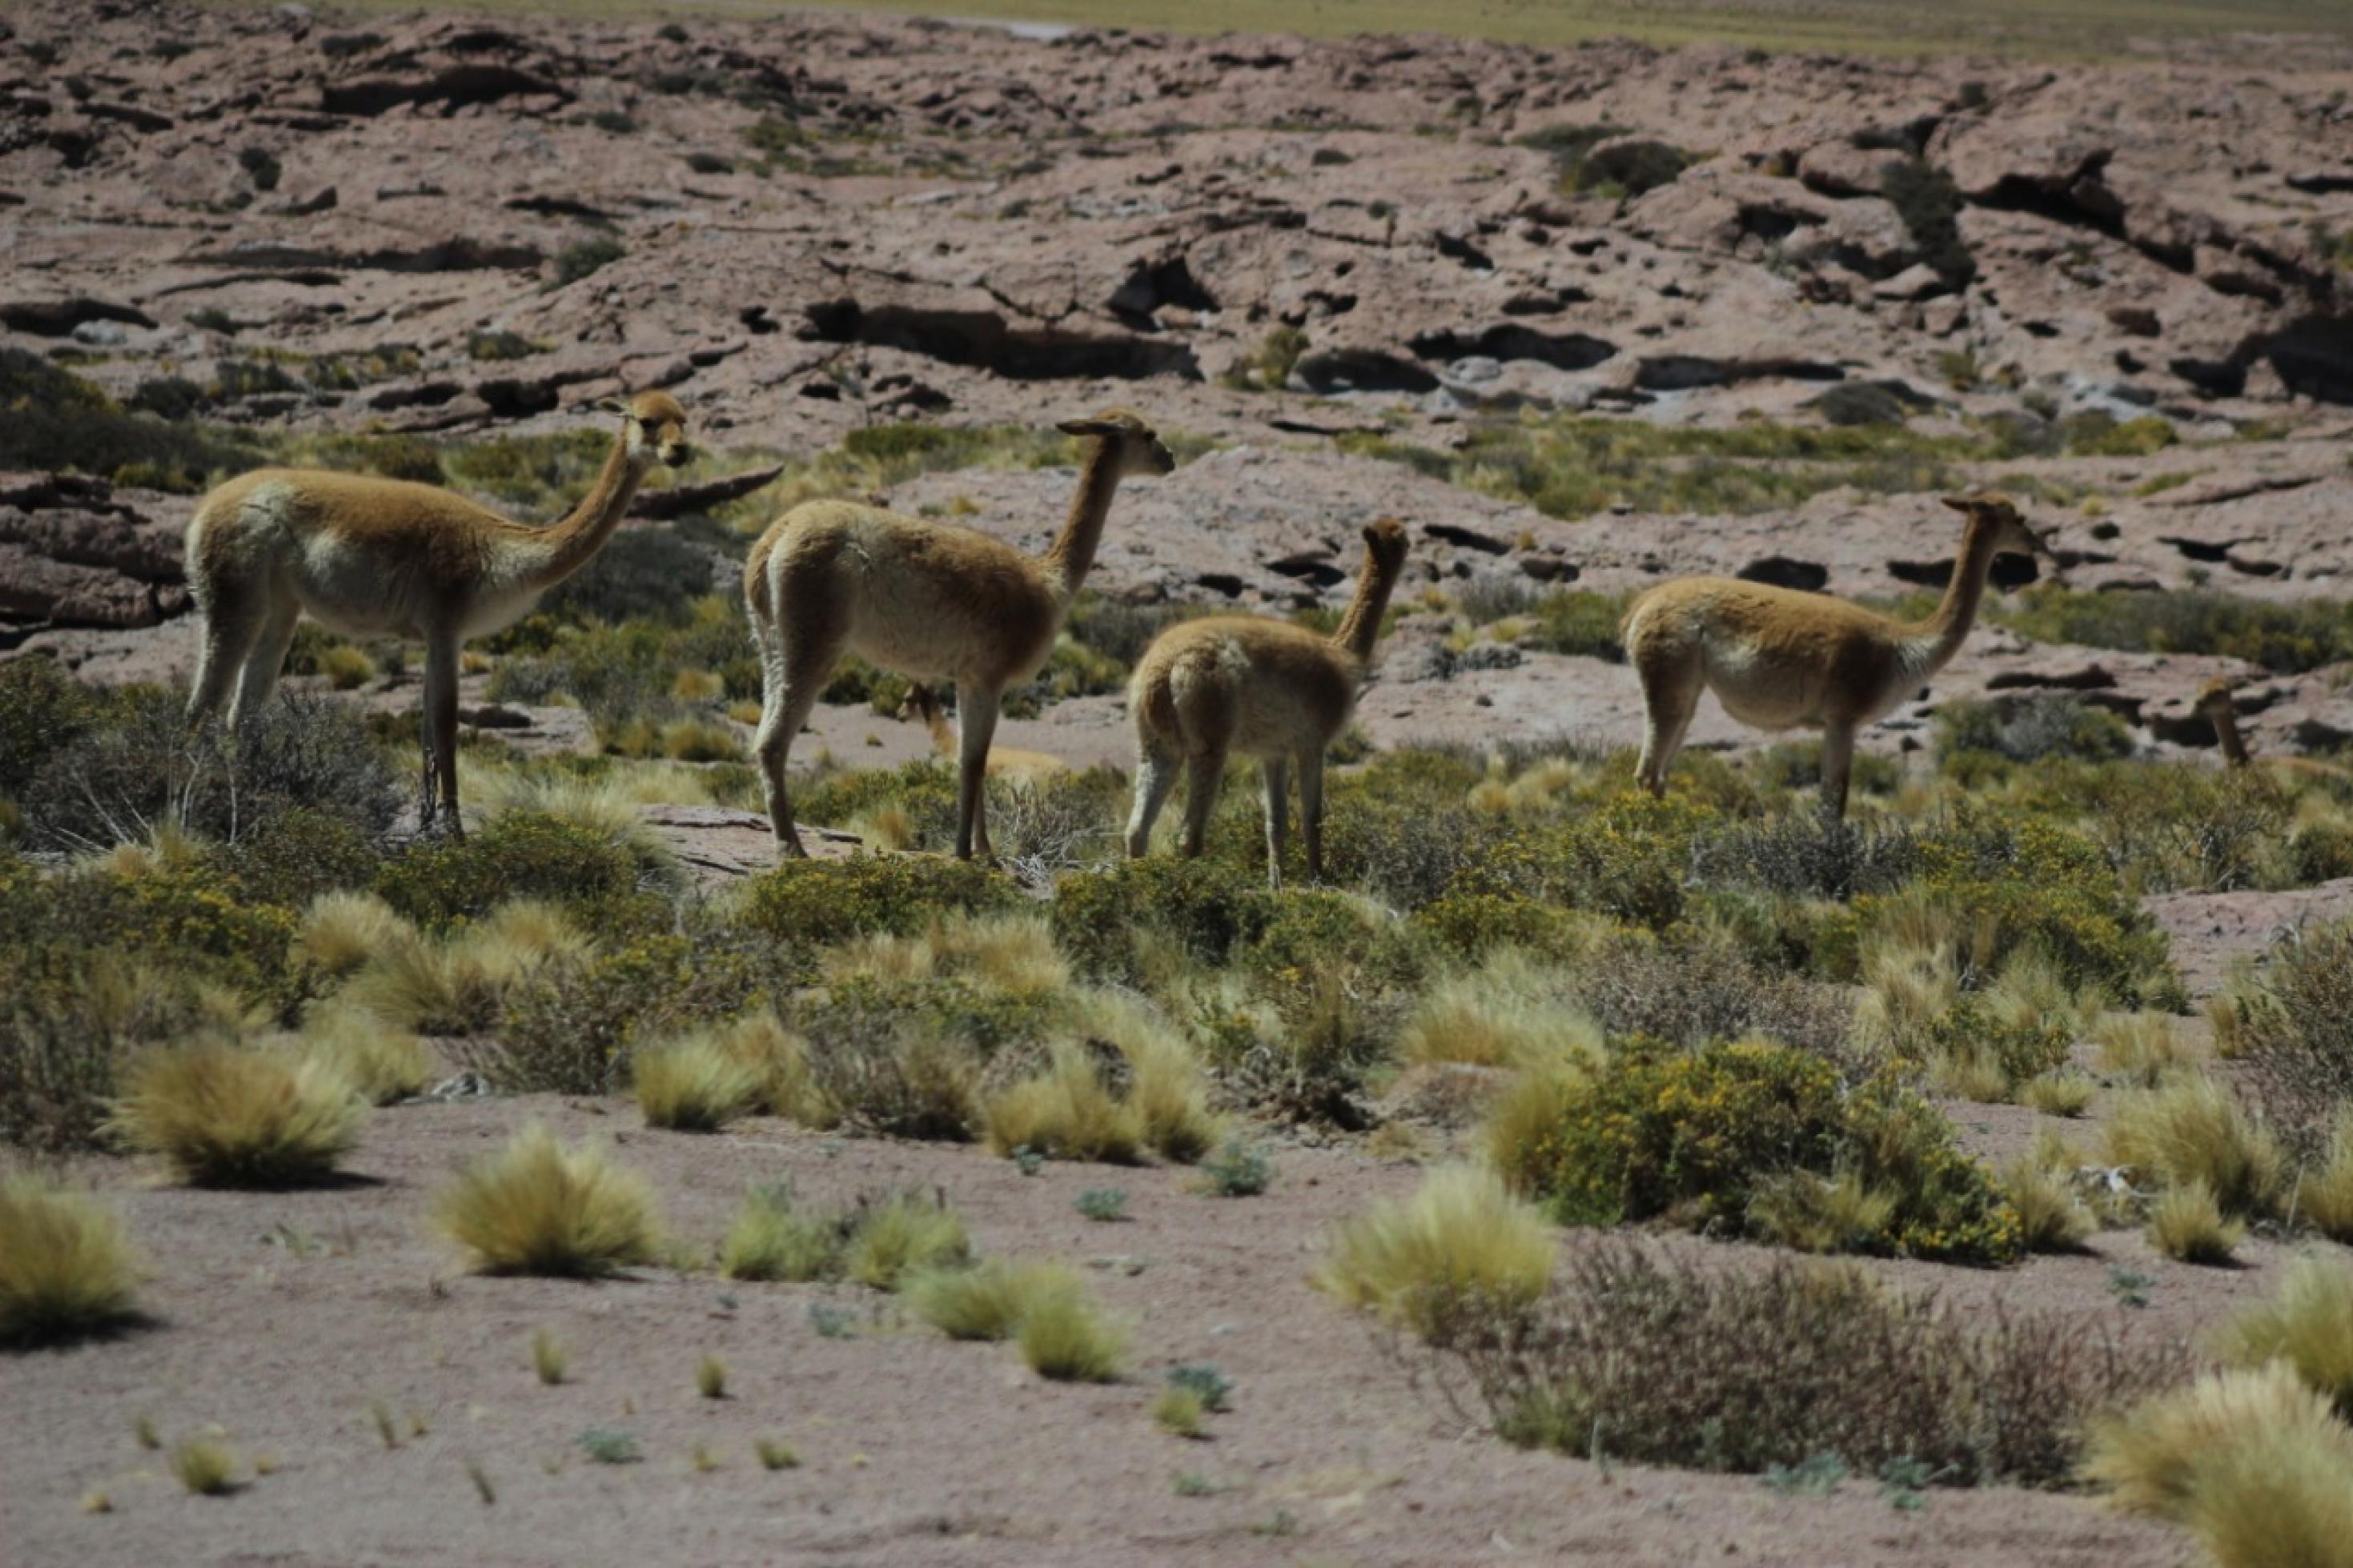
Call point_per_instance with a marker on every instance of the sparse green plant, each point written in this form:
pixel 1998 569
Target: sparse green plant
pixel 539 1208
pixel 2307 1324
pixel 1240 1170
pixel 777 1455
pixel 1192 1483
pixel 1104 1205
pixel 2187 1225
pixel 1211 1385
pixel 1065 1336
pixel 768 1240
pixel 548 1360
pixel 206 1468
pixel 1818 1475
pixel 710 1377
pixel 610 1446
pixel 380 1417
pixel 483 1488
pixel 1903 1483
pixel 579 260
pixel 831 1322
pixel 145 1433
pixel 1178 1411
pixel 223 1113
pixel 66 1266
pixel 2130 1287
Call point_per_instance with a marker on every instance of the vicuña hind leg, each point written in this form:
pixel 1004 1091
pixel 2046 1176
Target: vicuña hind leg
pixel 1156 776
pixel 1838 764
pixel 1310 810
pixel 1671 688
pixel 257 681
pixel 796 659
pixel 1202 771
pixel 1278 817
pixel 976 728
pixel 230 631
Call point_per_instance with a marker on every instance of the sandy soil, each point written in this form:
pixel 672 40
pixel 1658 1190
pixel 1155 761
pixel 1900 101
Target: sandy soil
pixel 282 1317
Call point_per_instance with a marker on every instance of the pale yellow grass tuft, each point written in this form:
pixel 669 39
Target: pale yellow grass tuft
pixel 2185 1223
pixel 382 1063
pixel 2193 1130
pixel 1461 1240
pixel 694 1084
pixel 539 1208
pixel 2307 1324
pixel 1064 1113
pixel 229 1114
pixel 66 1266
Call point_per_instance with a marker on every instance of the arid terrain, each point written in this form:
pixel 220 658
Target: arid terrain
pixel 1584 318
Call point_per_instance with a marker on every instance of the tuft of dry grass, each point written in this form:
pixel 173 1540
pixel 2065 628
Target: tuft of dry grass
pixel 343 932
pixel 2151 1453
pixel 66 1268
pixel 2308 1325
pixel 1166 1087
pixel 694 1084
pixel 900 1234
pixel 1066 1336
pixel 346 665
pixel 1064 1113
pixel 1520 1125
pixel 768 1241
pixel 1808 1213
pixel 1013 952
pixel 775 1455
pixel 2053 1219
pixel 2280 1500
pixel 1461 1240
pixel 777 1060
pixel 2143 1049
pixel 220 1113
pixel 1178 1410
pixel 2324 1194
pixel 2058 1093
pixel 1496 1016
pixel 539 1208
pixel 204 1467
pixel 987 1303
pixel 382 1063
pixel 455 985
pixel 2193 1130
pixel 710 1377
pixel 548 1360
pixel 2187 1225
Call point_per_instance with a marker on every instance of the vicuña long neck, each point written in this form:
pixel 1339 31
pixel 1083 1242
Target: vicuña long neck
pixel 2226 731
pixel 568 545
pixel 1360 628
pixel 1946 630
pixel 1073 552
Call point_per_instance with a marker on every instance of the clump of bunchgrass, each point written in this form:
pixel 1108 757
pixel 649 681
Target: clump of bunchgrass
pixel 382 1063
pixel 2307 1324
pixel 1067 1337
pixel 2193 1130
pixel 1178 1411
pixel 342 932
pixel 2324 1194
pixel 1461 1240
pixel 710 1377
pixel 66 1268
pixel 777 1455
pixel 2188 1226
pixel 2058 1093
pixel 1808 1213
pixel 1064 1112
pixel 2283 1499
pixel 2152 1453
pixel 548 1359
pixel 226 1114
pixel 769 1241
pixel 2049 1213
pixel 1165 1090
pixel 891 1236
pixel 694 1084
pixel 204 1466
pixel 2142 1049
pixel 987 1303
pixel 1497 1016
pixel 540 1207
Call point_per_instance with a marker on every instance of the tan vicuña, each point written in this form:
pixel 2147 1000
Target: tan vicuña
pixel 367 556
pixel 1267 689
pixel 930 601
pixel 1779 659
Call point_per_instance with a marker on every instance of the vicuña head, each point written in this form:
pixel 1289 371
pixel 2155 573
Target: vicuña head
pixel 1779 659
pixel 930 601
pixel 365 555
pixel 1267 689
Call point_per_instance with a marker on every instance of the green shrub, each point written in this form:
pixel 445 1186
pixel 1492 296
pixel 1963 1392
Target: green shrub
pixel 2288 636
pixel 820 902
pixel 2030 729
pixel 1208 907
pixel 2295 1033
pixel 69 1019
pixel 573 1027
pixel 516 855
pixel 59 421
pixel 579 260
pixel 1929 203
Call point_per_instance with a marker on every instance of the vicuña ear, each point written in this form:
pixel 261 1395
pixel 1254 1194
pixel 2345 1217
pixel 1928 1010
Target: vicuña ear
pixel 612 406
pixel 1087 428
pixel 1959 503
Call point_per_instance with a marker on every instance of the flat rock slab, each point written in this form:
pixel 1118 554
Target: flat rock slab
pixel 2209 931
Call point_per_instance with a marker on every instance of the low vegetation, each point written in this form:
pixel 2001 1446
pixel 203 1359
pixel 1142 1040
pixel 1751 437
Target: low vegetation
pixel 538 1207
pixel 1460 1244
pixel 66 1269
pixel 223 1113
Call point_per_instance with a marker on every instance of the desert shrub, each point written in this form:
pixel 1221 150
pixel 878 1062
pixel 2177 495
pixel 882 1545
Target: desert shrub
pixel 770 1240
pixel 1806 854
pixel 2029 886
pixel 231 1115
pixel 1689 1135
pixel 139 767
pixel 1205 906
pixel 2187 1225
pixel 57 421
pixel 1929 203
pixel 583 258
pixel 2195 1130
pixel 515 855
pixel 381 1063
pixel 537 1207
pixel 2051 1217
pixel 2324 1196
pixel 573 1025
pixel 2030 728
pixel 2295 1032
pixel 2288 636
pixel 66 1268
pixel 818 902
pixel 1067 1337
pixel 1692 992
pixel 2283 1499
pixel 1628 857
pixel 1064 1112
pixel 180 911
pixel 294 855
pixel 1460 1243
pixel 2152 1453
pixel 989 1302
pixel 1678 1364
pixel 43 710
pixel 693 1085
pixel 2307 1324
pixel 1578 621
pixel 893 1236
pixel 69 1019
pixel 879 1066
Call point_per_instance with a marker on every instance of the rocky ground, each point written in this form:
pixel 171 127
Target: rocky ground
pixel 814 224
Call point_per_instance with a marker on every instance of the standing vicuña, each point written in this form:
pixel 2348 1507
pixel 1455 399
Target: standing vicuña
pixel 1779 659
pixel 1267 689
pixel 368 555
pixel 926 600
